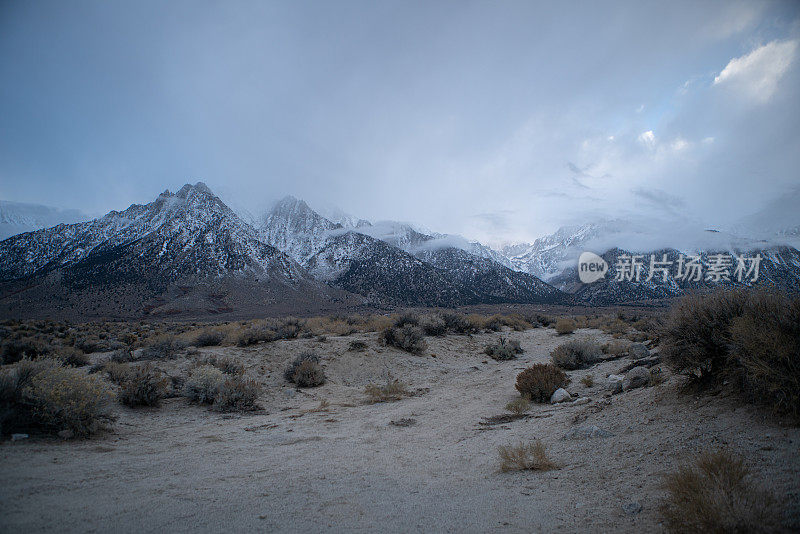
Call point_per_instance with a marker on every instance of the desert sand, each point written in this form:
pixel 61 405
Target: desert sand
pixel 347 468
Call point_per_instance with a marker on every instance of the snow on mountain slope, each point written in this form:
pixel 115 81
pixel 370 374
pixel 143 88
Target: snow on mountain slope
pixel 179 240
pixel 18 217
pixel 377 261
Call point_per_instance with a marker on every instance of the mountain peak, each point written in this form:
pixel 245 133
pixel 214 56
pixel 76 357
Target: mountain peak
pixel 188 189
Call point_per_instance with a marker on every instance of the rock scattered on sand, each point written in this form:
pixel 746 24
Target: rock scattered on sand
pixel 587 432
pixel 637 351
pixel 615 383
pixel 560 395
pixel 636 378
pixel 632 508
pixel 18 437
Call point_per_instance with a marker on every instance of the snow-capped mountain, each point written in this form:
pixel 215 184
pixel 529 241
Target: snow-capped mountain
pixel 392 262
pixel 18 217
pixel 187 239
pixel 778 268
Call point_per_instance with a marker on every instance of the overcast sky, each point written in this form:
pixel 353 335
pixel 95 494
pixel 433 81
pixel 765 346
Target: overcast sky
pixel 497 120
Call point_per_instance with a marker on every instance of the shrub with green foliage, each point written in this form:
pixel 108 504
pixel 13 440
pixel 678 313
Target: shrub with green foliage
pixel 13 350
pixel 576 353
pixel 540 381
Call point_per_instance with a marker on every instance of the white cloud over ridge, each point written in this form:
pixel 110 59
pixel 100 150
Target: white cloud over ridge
pixel 757 74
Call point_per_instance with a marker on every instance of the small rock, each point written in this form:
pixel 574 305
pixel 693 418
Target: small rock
pixel 290 392
pixel 587 432
pixel 636 378
pixel 66 434
pixel 560 395
pixel 18 437
pixel 615 383
pixel 632 508
pixel 637 351
pixel 582 400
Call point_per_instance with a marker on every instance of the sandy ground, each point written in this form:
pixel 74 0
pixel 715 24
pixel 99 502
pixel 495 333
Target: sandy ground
pixel 182 468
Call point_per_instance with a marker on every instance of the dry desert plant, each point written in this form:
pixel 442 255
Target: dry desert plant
pixel 565 325
pixel 717 495
pixel 576 353
pixel 540 381
pixel 530 456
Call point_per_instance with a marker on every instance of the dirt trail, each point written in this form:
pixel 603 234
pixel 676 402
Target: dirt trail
pixel 182 468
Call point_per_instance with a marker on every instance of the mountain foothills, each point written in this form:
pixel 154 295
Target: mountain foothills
pixel 188 254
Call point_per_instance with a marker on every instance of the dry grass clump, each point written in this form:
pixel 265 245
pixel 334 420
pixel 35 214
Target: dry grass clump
pixel 530 456
pixel 565 325
pixel 460 324
pixel 392 390
pixel 766 345
pixel 433 325
pixel 115 371
pixel 717 495
pixel 519 406
pixel 504 349
pixel 588 381
pixel 336 326
pixel 305 371
pixel 377 323
pixel 42 395
pixel 309 375
pixel 163 347
pixel 237 394
pixel 749 338
pixel 408 337
pixel 576 353
pixel 143 386
pixel 226 365
pixel 210 337
pixel 540 381
pixel 253 335
pixel 203 383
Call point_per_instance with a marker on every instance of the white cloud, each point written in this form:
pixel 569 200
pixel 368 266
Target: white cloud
pixel 648 138
pixel 680 144
pixel 757 74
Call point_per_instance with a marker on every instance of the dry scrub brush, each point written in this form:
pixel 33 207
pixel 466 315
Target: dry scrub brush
pixel 717 495
pixel 540 381
pixel 577 353
pixel 504 349
pixel 143 386
pixel 42 395
pixel 530 456
pixel 565 325
pixel 407 337
pixel 305 371
pixel 748 338
pixel 392 390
